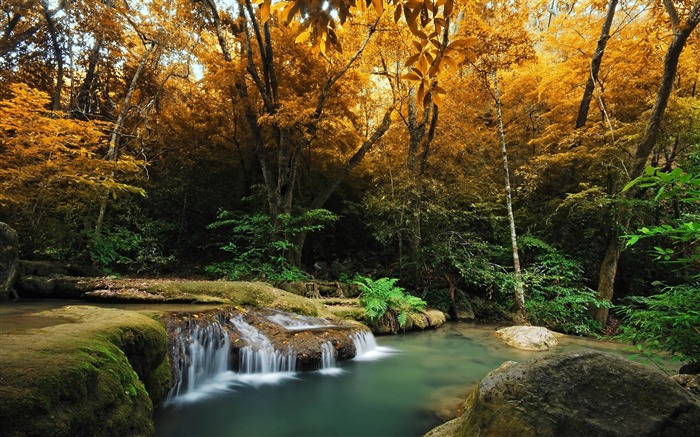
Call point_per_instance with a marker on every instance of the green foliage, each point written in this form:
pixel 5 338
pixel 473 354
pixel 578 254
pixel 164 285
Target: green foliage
pixel 680 231
pixel 260 247
pixel 382 295
pixel 556 295
pixel 668 321
pixel 136 243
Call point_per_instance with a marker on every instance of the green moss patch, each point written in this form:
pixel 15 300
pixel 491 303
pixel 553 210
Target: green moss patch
pixel 85 377
pixel 255 294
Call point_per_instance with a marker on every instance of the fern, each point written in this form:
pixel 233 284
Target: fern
pixel 382 295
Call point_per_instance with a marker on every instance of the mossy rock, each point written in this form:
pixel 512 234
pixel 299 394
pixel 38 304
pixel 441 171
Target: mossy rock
pixel 254 294
pixel 84 375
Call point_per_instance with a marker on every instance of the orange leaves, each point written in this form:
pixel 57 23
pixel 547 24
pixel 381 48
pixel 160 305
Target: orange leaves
pixel 45 153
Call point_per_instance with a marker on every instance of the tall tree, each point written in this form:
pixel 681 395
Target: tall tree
pixel 682 28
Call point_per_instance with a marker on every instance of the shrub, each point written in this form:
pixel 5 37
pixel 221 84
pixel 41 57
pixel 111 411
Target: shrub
pixel 383 295
pixel 668 321
pixel 556 295
pixel 260 248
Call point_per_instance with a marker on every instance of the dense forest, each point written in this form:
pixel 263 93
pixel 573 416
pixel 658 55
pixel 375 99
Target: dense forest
pixel 539 156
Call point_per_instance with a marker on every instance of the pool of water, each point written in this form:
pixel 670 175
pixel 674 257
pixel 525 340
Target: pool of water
pixel 414 387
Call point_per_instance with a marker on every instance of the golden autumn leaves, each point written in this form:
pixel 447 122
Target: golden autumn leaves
pixel 53 159
pixel 427 20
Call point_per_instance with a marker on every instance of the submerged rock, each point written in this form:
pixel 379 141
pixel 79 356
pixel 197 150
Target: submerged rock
pixel 583 393
pixel 529 338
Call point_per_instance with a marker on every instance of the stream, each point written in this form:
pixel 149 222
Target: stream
pixel 405 388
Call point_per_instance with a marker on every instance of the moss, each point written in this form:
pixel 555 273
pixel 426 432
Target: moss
pixel 158 382
pixel 255 294
pixel 75 379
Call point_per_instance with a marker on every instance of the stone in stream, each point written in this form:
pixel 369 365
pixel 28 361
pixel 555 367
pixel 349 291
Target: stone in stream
pixel 530 338
pixel 584 393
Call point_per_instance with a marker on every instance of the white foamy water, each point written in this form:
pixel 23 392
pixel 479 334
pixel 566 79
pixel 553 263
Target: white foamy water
pixel 367 348
pixel 259 355
pixel 328 360
pixel 296 322
pixel 202 357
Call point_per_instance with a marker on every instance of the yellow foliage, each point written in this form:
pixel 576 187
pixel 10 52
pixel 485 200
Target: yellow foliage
pixel 49 158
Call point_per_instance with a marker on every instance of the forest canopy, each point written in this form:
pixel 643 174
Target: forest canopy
pixel 323 139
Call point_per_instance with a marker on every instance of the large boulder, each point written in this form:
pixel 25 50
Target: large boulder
pixel 584 393
pixel 529 338
pixel 9 255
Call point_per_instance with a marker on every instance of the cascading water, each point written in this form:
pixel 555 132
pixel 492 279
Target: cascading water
pixel 259 355
pixel 328 359
pixel 201 357
pixel 366 347
pixel 296 322
pixel 204 351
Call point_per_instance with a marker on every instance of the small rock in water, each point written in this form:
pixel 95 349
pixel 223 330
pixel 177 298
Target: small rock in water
pixel 531 338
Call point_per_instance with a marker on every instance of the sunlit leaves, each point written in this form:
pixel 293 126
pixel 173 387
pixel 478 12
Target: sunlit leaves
pixel 427 20
pixel 50 158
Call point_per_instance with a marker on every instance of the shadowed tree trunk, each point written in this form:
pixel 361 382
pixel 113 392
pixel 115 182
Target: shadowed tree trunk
pixel 681 32
pixel 9 255
pixel 595 65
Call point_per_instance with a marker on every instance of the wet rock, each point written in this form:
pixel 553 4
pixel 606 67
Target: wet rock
pixel 690 368
pixel 531 338
pixel 8 259
pixel 583 393
pixel 389 323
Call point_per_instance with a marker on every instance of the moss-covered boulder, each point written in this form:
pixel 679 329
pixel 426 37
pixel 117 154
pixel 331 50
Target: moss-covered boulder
pixel 89 374
pixel 9 253
pixel 583 393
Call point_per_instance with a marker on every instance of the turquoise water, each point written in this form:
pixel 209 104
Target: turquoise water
pixel 418 381
pixel 415 382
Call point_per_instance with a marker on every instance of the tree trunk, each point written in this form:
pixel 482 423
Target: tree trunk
pixel 113 151
pixel 595 65
pixel 58 54
pixel 519 291
pixel 681 32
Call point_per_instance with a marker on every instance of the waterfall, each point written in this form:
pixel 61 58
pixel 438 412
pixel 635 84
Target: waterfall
pixel 201 356
pixel 328 359
pixel 366 347
pixel 259 355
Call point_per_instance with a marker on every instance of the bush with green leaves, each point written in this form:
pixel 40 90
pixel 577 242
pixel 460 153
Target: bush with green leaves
pixel 260 248
pixel 137 244
pixel 382 295
pixel 668 321
pixel 556 294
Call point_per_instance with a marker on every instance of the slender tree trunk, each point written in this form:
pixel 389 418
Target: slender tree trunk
pixel 595 65
pixel 519 291
pixel 58 54
pixel 113 151
pixel 681 32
